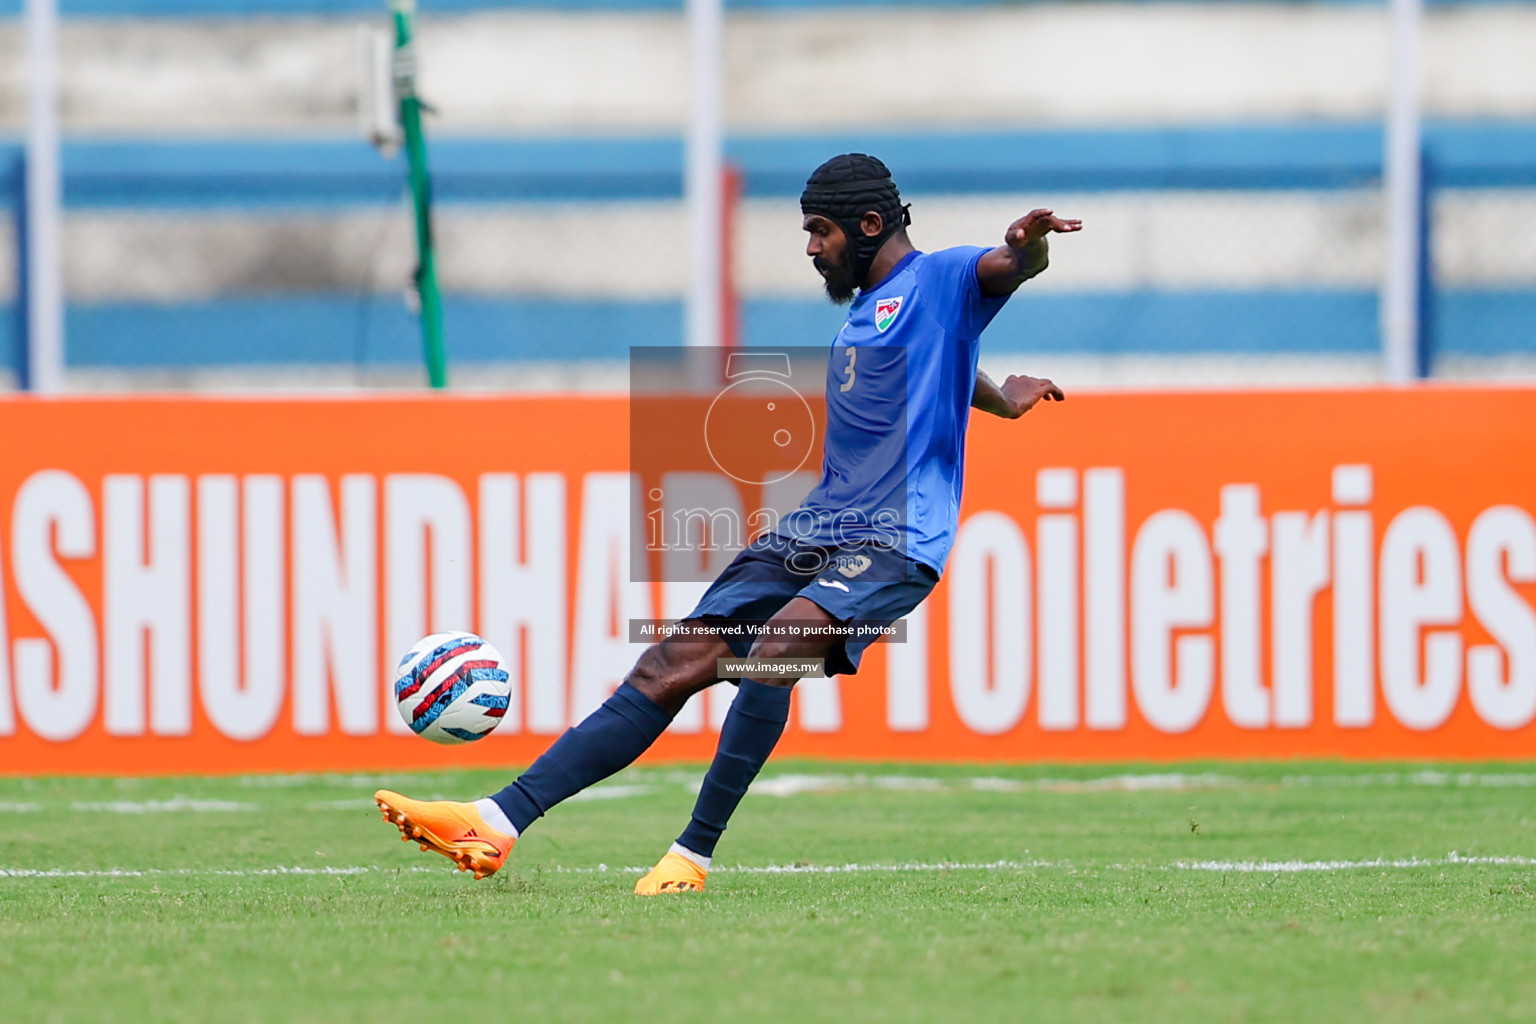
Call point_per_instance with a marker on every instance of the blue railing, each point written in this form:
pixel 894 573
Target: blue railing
pixel 239 8
pixel 204 173
pixel 287 328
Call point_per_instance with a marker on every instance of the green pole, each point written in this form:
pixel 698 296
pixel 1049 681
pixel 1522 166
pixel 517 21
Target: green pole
pixel 421 192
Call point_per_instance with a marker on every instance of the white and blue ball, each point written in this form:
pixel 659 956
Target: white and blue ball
pixel 452 688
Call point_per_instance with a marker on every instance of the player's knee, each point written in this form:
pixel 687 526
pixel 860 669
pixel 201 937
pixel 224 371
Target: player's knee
pixel 666 679
pixel 787 647
pixel 653 672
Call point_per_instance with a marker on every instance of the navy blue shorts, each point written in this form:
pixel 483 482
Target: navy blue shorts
pixel 869 585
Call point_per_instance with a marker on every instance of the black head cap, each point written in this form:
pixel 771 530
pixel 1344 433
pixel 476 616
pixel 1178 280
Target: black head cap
pixel 844 189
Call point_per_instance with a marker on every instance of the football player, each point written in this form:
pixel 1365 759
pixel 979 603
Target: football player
pixel 866 546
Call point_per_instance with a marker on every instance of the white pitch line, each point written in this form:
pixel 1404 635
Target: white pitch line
pixel 1452 859
pixel 1236 866
pixel 177 804
pixel 1132 783
pixel 1298 866
pixel 200 872
pixel 917 866
pixel 798 784
pixel 831 869
pixel 646 782
pixel 612 792
pixel 1492 780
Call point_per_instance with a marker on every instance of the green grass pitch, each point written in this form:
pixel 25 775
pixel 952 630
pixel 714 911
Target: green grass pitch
pixel 1265 892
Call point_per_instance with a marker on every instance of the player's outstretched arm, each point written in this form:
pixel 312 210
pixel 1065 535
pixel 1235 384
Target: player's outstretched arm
pixel 1024 252
pixel 1015 397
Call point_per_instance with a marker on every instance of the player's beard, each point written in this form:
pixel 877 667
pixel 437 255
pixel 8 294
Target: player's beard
pixel 838 276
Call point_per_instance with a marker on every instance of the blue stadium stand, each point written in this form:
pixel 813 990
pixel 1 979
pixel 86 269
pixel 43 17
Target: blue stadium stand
pixel 340 328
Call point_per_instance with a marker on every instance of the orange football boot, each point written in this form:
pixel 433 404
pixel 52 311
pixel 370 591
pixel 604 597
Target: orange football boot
pixel 454 830
pixel 673 873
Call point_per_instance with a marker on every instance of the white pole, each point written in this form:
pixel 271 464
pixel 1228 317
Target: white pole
pixel 45 218
pixel 705 170
pixel 1401 172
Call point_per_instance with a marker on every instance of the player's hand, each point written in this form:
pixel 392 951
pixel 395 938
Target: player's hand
pixel 1024 392
pixel 1035 225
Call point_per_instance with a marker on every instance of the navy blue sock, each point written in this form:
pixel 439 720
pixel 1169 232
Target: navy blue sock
pixel 606 740
pixel 752 728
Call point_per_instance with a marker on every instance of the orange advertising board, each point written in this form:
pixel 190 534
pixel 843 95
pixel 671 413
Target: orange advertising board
pixel 224 585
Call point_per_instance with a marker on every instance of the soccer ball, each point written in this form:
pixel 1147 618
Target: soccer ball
pixel 452 688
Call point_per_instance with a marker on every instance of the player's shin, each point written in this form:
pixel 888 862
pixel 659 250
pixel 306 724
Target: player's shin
pixel 606 740
pixel 752 728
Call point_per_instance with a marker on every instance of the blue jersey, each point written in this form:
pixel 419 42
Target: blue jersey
pixel 899 386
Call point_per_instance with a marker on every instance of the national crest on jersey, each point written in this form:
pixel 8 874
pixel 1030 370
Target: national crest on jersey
pixel 900 376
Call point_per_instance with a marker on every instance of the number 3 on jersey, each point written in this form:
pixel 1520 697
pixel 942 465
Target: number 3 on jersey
pixel 853 355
